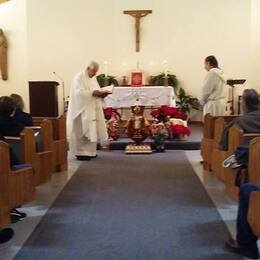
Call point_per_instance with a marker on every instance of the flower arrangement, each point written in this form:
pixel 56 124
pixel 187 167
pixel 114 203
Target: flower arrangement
pixel 112 120
pixel 159 134
pixel 163 113
pixel 174 122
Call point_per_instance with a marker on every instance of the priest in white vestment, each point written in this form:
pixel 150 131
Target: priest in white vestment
pixel 85 121
pixel 213 95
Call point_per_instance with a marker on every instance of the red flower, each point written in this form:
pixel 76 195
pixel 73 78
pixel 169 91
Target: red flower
pixel 176 130
pixel 110 111
pixel 171 112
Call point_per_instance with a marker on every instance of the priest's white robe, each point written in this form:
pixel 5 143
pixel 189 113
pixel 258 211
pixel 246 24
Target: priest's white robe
pixel 213 96
pixel 85 121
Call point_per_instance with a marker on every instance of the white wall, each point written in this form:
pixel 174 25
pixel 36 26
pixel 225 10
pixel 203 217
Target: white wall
pixel 13 22
pixel 255 46
pixel 64 34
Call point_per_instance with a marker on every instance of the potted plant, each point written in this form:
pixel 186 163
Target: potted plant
pixel 104 81
pixel 185 102
pixel 159 80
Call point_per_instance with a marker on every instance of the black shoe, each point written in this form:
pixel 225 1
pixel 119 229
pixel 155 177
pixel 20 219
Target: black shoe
pixel 250 252
pixel 18 213
pixel 6 234
pixel 15 218
pixel 83 158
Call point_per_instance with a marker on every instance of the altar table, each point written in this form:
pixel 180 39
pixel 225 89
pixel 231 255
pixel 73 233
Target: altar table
pixel 149 96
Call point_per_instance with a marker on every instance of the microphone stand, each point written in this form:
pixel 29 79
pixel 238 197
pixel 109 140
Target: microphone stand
pixel 63 89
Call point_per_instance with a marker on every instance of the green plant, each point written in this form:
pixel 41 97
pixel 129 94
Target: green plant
pixel 106 81
pixel 185 102
pixel 159 80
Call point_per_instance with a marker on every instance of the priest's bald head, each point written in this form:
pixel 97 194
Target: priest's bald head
pixel 92 69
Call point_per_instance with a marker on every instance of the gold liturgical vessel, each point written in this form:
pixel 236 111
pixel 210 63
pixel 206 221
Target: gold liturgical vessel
pixel 137 128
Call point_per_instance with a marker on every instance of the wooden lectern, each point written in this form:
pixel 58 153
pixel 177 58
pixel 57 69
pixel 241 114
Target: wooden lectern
pixel 232 83
pixel 43 98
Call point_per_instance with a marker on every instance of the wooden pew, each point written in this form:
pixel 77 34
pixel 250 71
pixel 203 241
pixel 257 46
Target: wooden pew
pixel 253 165
pixel 254 161
pixel 254 177
pixel 211 137
pixel 41 160
pixel 59 139
pixel 20 183
pixel 207 141
pixel 254 212
pixel 217 155
pixel 4 189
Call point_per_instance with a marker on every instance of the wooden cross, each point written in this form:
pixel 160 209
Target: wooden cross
pixel 137 14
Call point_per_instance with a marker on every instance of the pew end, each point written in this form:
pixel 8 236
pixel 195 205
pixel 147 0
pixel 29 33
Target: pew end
pixel 59 140
pixel 4 188
pixel 254 212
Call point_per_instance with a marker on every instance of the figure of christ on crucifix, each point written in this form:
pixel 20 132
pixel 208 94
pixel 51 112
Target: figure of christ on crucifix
pixel 138 14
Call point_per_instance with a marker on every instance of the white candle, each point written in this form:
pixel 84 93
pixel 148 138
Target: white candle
pixel 105 64
pixel 165 67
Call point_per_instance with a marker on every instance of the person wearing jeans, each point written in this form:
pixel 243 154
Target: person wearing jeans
pixel 246 241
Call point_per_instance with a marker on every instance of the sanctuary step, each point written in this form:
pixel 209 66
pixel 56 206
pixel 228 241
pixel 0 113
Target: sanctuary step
pixel 192 142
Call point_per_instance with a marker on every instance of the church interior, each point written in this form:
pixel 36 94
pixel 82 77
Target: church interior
pixel 129 130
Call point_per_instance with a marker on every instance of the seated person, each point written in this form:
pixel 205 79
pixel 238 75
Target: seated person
pixel 19 115
pixel 249 121
pixel 246 241
pixel 8 125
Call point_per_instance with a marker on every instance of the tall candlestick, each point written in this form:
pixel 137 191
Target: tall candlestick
pixel 105 64
pixel 165 67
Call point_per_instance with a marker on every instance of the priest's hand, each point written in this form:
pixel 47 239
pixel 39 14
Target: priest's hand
pixel 100 94
pixel 97 93
pixel 105 94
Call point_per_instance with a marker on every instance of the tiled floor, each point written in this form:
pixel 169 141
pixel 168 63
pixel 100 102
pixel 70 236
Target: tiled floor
pixel 47 193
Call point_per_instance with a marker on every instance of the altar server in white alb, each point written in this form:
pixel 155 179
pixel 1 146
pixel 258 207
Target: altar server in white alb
pixel 85 121
pixel 213 93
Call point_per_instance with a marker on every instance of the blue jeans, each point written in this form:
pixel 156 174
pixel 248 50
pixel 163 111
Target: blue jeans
pixel 245 236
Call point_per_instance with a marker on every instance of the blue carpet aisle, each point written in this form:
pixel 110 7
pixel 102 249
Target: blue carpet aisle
pixel 120 207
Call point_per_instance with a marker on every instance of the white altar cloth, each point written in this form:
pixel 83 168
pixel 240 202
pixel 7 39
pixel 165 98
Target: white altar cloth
pixel 152 96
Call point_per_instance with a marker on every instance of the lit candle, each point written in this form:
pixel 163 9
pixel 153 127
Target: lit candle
pixel 124 67
pixel 165 67
pixel 105 64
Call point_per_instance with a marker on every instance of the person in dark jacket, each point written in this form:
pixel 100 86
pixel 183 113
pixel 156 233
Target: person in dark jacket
pixel 20 115
pixel 8 125
pixel 249 121
pixel 245 243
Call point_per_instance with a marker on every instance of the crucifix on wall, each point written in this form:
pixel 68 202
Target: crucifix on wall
pixel 138 14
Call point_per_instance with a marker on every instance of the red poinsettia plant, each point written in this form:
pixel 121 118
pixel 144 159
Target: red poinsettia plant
pixel 112 121
pixel 174 121
pixel 179 131
pixel 110 111
pixel 164 112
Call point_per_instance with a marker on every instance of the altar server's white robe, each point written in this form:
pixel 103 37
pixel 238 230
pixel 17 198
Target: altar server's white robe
pixel 85 120
pixel 213 94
